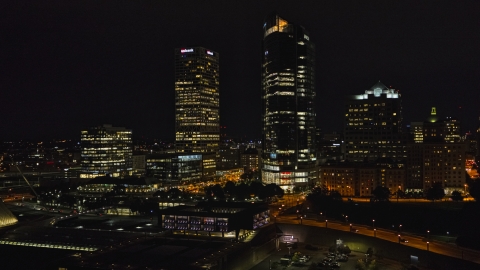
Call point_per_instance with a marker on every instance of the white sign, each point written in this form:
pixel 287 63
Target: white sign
pixel 186 50
pixel 210 52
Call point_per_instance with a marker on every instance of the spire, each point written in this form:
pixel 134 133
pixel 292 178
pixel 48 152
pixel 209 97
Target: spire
pixel 379 85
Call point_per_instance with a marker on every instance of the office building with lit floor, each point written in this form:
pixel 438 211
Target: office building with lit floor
pixel 106 150
pixel 288 96
pixel 197 103
pixel 436 155
pixel 373 126
pixel 215 218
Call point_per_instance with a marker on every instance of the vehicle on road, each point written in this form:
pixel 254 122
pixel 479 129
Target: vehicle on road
pixel 403 240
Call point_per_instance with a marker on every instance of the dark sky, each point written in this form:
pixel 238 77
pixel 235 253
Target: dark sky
pixel 65 65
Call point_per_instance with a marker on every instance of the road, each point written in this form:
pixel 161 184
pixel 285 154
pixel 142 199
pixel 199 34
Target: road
pixel 450 250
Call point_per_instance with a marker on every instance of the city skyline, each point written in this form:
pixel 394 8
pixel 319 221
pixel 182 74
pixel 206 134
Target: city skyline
pixel 74 65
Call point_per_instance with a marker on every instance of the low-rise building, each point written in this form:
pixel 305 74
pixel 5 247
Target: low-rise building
pixel 219 217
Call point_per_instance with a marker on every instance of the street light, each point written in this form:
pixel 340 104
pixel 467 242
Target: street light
pixel 400 228
pixel 326 223
pixel 350 226
pixel 373 220
pixel 301 220
pixel 428 234
pixel 399 238
pixel 428 246
pixel 374 232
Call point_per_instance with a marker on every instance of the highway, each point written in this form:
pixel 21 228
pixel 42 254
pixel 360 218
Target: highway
pixel 414 241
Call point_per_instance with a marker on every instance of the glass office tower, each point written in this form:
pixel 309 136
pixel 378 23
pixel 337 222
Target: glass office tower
pixel 106 150
pixel 197 104
pixel 288 95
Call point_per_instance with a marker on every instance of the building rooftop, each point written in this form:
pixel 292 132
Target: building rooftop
pixel 380 85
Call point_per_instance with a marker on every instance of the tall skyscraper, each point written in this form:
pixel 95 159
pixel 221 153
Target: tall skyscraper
pixel 373 125
pixel 288 94
pixel 197 104
pixel 106 150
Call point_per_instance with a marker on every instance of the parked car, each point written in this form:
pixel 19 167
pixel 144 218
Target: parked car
pixel 284 261
pixel 305 258
pixel 342 258
pixel 335 265
pixel 323 264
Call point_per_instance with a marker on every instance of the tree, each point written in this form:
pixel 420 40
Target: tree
pixel 335 195
pixel 436 192
pixel 360 265
pixel 381 194
pixel 217 191
pixel 229 188
pixel 344 249
pixel 474 189
pixel 457 196
pixel 258 189
pixel 323 200
pixel 243 191
pixel 372 265
pixel 296 257
pixel 370 252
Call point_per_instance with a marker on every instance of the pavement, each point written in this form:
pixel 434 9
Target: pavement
pixel 418 242
pixel 318 256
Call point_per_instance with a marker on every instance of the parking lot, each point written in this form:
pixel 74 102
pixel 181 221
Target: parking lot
pixel 316 256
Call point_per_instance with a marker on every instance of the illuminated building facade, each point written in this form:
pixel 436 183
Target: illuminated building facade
pixel 416 130
pixel 229 156
pixel 175 169
pixel 439 157
pixel 339 178
pixel 288 95
pixel 249 159
pixel 106 150
pixel 444 163
pixel 354 179
pixel 215 218
pixel 373 125
pixel 197 103
pixel 330 146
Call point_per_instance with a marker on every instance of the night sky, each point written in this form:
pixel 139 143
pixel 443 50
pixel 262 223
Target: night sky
pixel 65 65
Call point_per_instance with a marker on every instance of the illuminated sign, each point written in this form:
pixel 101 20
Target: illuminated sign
pixel 186 50
pixel 209 52
pixel 306 37
pixel 273 155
